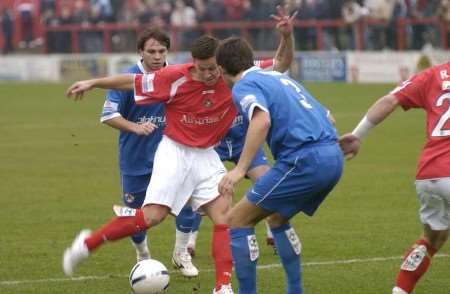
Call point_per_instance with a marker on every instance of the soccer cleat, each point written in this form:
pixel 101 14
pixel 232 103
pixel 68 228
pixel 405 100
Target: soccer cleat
pixel 75 253
pixel 398 290
pixel 182 260
pixel 224 289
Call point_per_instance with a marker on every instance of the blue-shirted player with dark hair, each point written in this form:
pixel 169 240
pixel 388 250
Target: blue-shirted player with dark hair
pixel 141 130
pixel 231 145
pixel 308 161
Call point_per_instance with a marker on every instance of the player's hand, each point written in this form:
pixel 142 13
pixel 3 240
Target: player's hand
pixel 145 129
pixel 226 185
pixel 350 145
pixel 284 25
pixel 76 91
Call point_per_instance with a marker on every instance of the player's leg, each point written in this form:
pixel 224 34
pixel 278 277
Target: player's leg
pixel 434 196
pixel 289 248
pixel 217 210
pixel 128 222
pixel 133 195
pixel 296 184
pixel 181 258
pixel 208 171
pixel 417 259
pixel 269 237
pixel 194 234
pixel 258 167
pixel 242 220
pixel 166 182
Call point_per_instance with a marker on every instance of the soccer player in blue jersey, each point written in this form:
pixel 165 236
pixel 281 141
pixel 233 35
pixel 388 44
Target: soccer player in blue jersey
pixel 308 161
pixel 230 149
pixel 140 133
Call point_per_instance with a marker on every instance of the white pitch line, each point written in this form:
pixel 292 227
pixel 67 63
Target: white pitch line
pixel 260 267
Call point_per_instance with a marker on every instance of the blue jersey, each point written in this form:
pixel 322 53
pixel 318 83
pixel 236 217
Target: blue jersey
pixel 136 153
pixel 231 145
pixel 297 119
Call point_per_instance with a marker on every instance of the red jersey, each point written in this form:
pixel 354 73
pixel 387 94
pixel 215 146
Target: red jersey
pixel 197 115
pixel 430 90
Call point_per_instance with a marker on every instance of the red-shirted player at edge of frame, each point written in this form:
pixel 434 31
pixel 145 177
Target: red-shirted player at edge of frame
pixel 199 111
pixel 429 90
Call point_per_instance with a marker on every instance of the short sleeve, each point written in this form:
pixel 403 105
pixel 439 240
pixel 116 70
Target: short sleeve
pixel 114 102
pixel 247 96
pixel 411 93
pixel 153 87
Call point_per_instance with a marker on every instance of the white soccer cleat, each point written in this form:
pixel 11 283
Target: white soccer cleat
pixel 398 290
pixel 225 289
pixel 182 260
pixel 75 253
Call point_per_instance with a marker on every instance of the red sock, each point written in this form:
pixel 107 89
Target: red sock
pixel 414 266
pixel 221 252
pixel 118 228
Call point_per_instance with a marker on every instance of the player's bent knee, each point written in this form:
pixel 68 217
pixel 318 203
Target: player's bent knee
pixel 234 220
pixel 155 214
pixel 275 220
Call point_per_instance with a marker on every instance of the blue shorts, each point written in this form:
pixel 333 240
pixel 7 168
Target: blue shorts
pixel 259 159
pixel 300 182
pixel 134 189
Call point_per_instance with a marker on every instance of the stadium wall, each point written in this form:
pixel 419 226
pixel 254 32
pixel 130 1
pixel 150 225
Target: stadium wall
pixel 354 67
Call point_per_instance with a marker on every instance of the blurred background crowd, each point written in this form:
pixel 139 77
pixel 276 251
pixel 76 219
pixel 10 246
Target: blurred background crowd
pixel 64 26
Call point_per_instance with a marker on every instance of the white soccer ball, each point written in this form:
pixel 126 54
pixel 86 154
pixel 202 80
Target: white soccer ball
pixel 149 277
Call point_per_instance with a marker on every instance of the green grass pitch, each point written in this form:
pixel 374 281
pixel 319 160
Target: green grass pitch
pixel 58 174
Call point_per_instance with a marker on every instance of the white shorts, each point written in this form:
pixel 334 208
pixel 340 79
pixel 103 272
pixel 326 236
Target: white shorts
pixel 181 174
pixel 434 197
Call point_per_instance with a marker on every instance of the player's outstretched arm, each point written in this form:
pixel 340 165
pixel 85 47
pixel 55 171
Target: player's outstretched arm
pixel 285 51
pixel 378 112
pixel 118 82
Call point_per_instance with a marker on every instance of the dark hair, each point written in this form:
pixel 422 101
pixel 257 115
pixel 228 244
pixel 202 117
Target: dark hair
pixel 234 55
pixel 153 33
pixel 204 47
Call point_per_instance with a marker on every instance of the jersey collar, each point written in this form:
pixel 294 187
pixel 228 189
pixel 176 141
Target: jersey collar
pixel 253 68
pixel 141 66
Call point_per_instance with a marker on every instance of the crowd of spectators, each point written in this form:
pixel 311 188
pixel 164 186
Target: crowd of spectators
pixel 186 17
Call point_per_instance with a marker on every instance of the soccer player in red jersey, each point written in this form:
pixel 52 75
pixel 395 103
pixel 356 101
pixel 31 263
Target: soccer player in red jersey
pixel 429 90
pixel 199 111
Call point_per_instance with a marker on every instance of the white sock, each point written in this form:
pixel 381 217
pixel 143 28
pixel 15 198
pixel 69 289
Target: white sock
pixel 268 231
pixel 181 240
pixel 142 247
pixel 192 239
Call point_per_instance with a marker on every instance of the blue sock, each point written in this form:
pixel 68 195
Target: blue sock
pixel 135 200
pixel 197 221
pixel 245 255
pixel 185 219
pixel 288 248
pixel 139 237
